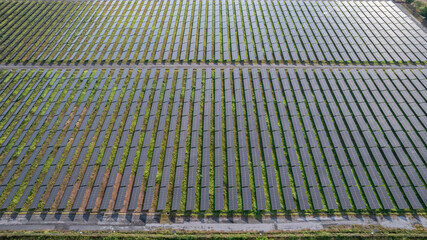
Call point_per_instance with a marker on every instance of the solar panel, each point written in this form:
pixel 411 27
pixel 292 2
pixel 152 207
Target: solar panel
pixel 370 197
pixel 176 200
pixel 288 198
pixel 178 176
pixel 257 172
pixel 192 176
pixel 152 176
pixel 336 177
pixel 342 194
pixel 398 197
pixel 413 176
pixel 191 192
pixel 412 198
pixel 219 199
pixel 271 176
pixel 204 199
pixel 310 176
pixel 329 197
pixel 298 180
pixel 384 197
pixel 218 157
pixel 401 178
pixel 268 159
pixel 361 176
pixel 315 196
pixel 246 198
pixel 292 155
pixel 205 176
pixel 162 198
pixel 357 198
pixel 422 193
pixel 218 176
pixel 232 199
pixel 387 176
pixel 260 198
pixel 374 175
pixel 302 198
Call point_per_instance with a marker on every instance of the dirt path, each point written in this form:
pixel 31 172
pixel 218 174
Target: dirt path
pixel 138 222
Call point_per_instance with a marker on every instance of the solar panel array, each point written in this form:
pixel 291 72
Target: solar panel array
pixel 336 123
pixel 207 140
pixel 209 31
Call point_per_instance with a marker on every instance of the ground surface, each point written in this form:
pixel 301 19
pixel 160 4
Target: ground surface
pixel 212 107
pixel 142 222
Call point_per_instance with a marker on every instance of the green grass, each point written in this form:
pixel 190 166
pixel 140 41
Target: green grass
pixel 340 232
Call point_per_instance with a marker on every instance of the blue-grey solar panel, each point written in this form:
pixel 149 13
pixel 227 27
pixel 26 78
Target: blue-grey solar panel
pixel 260 198
pixel 191 191
pixel 323 176
pixel 357 198
pixel 257 172
pixel 387 176
pixel 91 203
pixel 400 175
pixel 219 199
pixel 370 198
pixel 412 198
pixel 288 198
pixel 218 169
pixel 398 197
pixel 176 200
pixel 246 198
pixel 204 199
pixel 336 177
pixel 302 198
pixel 413 176
pixel 232 199
pixel 120 198
pixel 162 198
pixel 179 176
pixel 284 176
pixel 245 182
pixel 310 176
pixel 316 199
pixel 422 193
pixel 348 175
pixel 192 171
pixel 384 198
pixel 329 197
pixel 343 197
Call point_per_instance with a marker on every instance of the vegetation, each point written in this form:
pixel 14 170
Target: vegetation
pixel 420 6
pixel 349 232
pixel 423 12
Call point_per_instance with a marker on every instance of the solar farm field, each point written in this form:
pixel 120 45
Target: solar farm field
pixel 375 32
pixel 213 139
pixel 223 108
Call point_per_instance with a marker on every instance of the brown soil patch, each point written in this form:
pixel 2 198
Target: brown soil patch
pixel 128 192
pixel 115 192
